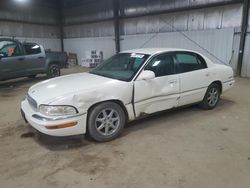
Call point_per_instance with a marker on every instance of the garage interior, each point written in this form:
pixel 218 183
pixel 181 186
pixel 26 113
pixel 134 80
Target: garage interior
pixel 185 147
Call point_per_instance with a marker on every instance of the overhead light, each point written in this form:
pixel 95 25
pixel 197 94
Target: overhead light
pixel 21 1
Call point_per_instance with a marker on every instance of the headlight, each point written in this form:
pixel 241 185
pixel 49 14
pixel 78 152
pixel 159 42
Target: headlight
pixel 51 110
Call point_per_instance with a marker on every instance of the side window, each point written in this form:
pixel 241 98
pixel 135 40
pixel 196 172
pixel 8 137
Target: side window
pixel 9 49
pixel 32 49
pixel 161 65
pixel 188 61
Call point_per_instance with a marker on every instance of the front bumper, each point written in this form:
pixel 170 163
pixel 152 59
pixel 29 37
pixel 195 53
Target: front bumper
pixel 30 116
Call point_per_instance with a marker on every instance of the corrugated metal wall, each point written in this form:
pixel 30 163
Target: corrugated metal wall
pixel 213 28
pixel 246 57
pixel 210 18
pixel 35 21
pixel 101 29
pixel 202 19
pixel 28 30
pixel 217 42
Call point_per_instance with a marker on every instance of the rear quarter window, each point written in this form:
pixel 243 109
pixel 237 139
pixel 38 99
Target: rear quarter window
pixel 31 49
pixel 188 61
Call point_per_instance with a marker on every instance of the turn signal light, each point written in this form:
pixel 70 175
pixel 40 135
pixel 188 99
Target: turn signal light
pixel 65 125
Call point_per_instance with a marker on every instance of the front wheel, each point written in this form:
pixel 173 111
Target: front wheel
pixel 211 97
pixel 53 71
pixel 106 121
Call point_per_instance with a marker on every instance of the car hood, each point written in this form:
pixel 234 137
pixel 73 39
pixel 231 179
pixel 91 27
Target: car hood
pixel 54 89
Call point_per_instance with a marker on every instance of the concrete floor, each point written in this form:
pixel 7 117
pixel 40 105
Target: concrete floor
pixel 185 148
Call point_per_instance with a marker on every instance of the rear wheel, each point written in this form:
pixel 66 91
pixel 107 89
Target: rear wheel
pixel 106 121
pixel 53 71
pixel 211 97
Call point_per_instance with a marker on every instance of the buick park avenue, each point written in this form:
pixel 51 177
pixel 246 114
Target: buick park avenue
pixel 124 88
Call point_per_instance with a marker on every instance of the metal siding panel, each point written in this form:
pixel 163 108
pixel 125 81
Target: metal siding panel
pixel 30 14
pixel 106 29
pixel 218 42
pixel 181 21
pixel 153 24
pixel 196 20
pixel 235 51
pixel 89 30
pixel 249 17
pixel 246 58
pixel 213 18
pixel 166 22
pixel 182 3
pixel 28 30
pixel 130 26
pixel 232 16
pixel 88 12
pixel 141 26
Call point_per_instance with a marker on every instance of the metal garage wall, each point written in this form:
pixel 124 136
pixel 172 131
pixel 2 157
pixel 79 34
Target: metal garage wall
pixel 80 45
pixel 46 35
pixel 235 52
pixel 34 21
pixel 246 58
pixel 218 42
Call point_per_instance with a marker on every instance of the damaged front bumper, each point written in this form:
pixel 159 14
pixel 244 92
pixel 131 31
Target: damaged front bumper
pixel 54 126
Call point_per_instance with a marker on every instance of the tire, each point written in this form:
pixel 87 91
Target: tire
pixel 106 121
pixel 211 97
pixel 53 71
pixel 32 76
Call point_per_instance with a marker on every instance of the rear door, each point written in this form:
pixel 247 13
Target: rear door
pixel 35 57
pixel 12 59
pixel 160 93
pixel 194 77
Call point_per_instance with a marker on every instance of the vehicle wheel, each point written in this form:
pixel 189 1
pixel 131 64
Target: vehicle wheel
pixel 106 121
pixel 211 98
pixel 53 71
pixel 32 76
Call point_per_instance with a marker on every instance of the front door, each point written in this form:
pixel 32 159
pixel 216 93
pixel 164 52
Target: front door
pixel 161 92
pixel 12 60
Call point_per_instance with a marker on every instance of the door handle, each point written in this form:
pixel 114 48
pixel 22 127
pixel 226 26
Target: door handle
pixel 40 57
pixel 20 59
pixel 172 81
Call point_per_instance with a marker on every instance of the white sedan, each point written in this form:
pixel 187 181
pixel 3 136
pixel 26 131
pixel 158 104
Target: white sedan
pixel 127 86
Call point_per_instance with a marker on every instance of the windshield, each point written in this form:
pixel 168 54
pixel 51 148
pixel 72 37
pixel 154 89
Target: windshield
pixel 122 66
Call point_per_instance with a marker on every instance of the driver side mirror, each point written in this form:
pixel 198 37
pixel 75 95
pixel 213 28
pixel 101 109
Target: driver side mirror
pixel 146 75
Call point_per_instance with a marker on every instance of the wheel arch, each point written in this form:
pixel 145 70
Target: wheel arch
pixel 117 101
pixel 219 83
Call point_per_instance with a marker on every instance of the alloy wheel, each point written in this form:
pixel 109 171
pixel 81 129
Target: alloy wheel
pixel 107 122
pixel 213 97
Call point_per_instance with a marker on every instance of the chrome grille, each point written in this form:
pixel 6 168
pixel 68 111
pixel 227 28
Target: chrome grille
pixel 31 101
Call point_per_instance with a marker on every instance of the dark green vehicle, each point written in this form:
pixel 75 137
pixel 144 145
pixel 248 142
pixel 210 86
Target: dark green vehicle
pixel 28 59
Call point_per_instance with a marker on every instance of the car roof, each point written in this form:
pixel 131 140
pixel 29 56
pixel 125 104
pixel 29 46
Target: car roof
pixel 153 51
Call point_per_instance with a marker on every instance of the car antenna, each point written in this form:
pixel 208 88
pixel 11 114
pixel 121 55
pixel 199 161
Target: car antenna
pixel 187 37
